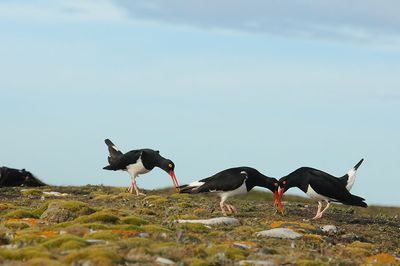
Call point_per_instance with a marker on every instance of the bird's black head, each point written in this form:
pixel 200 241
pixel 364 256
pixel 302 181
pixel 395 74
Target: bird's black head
pixel 169 167
pixel 285 183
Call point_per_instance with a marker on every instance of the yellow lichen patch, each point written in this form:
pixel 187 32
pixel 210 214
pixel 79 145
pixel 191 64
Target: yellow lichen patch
pixel 43 262
pixel 180 196
pixel 31 192
pixel 230 252
pixel 28 221
pixel 382 259
pixel 358 248
pixel 313 236
pixel 292 225
pixel 103 235
pixel 101 217
pixel 304 262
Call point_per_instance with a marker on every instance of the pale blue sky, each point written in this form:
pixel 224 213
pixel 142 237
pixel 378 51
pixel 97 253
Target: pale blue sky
pixel 268 84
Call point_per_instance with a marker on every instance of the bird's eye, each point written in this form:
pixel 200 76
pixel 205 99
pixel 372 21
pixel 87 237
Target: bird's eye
pixel 284 182
pixel 276 184
pixel 170 165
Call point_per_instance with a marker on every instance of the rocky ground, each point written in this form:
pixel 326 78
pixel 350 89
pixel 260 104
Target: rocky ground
pixel 98 225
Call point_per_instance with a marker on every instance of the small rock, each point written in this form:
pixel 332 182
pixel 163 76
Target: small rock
pixel 144 235
pixel 280 233
pixel 96 241
pixel 55 193
pixel 329 228
pixel 164 261
pixel 257 262
pixel 214 221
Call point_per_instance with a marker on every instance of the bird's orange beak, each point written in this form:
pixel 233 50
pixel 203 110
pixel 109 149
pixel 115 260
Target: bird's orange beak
pixel 176 184
pixel 278 201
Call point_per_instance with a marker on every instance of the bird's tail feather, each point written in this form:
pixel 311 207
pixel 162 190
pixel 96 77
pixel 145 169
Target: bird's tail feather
pixel 187 189
pixel 350 177
pixel 356 201
pixel 113 151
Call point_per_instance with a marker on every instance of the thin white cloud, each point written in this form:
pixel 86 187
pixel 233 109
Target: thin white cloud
pixel 357 20
pixel 62 10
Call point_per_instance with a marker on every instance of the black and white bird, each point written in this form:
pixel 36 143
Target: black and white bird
pixel 322 186
pixel 231 182
pixel 137 162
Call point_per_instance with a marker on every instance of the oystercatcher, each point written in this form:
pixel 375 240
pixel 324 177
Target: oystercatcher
pixel 231 182
pixel 138 162
pixel 322 186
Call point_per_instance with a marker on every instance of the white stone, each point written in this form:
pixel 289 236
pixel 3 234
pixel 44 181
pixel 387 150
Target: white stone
pixel 329 228
pixel 55 193
pixel 280 233
pixel 213 221
pixel 164 261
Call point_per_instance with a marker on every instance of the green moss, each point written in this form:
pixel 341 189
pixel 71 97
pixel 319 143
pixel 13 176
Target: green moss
pixel 32 192
pixel 16 226
pixel 43 262
pixel 39 211
pixel 99 217
pixel 197 262
pixel 230 252
pixel 98 256
pixel 135 242
pixel 24 253
pixel 155 200
pixel 124 227
pixel 20 214
pixel 58 241
pixel 73 244
pixel 103 235
pixel 133 220
pixel 180 196
pixel 195 227
pixel 96 226
pixel 27 240
pixel 153 228
pixel 145 211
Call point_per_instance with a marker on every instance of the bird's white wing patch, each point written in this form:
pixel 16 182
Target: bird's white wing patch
pixel 196 184
pixel 351 178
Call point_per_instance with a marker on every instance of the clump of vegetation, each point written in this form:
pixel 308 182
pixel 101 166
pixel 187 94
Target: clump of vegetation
pixel 61 240
pixel 133 220
pixel 99 217
pixel 24 253
pixel 21 213
pixel 100 256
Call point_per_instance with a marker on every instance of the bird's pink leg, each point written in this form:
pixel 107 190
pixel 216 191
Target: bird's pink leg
pixel 324 210
pixel 222 206
pixel 318 215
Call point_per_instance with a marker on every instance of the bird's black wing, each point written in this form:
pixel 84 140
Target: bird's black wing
pixel 329 186
pixel 226 180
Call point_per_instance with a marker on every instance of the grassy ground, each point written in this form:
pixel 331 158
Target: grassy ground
pixel 98 225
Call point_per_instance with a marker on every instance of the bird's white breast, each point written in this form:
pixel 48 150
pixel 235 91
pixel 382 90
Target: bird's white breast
pixel 314 195
pixel 240 190
pixel 136 168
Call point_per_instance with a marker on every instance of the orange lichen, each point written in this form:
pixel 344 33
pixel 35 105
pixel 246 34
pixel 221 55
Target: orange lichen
pixel 28 221
pixel 382 259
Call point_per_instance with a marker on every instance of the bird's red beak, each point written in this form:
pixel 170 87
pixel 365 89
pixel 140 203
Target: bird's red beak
pixel 280 192
pixel 172 174
pixel 278 201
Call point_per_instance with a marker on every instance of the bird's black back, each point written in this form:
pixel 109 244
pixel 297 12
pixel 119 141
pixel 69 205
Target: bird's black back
pixel 324 184
pixel 150 158
pixel 233 178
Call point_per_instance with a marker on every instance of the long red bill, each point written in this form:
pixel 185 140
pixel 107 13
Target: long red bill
pixel 176 184
pixel 280 193
pixel 278 201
